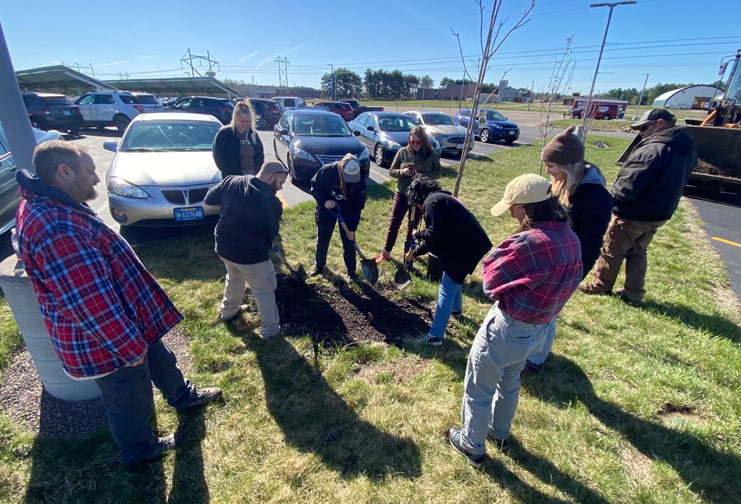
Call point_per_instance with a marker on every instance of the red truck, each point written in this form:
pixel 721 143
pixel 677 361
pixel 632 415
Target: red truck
pixel 600 108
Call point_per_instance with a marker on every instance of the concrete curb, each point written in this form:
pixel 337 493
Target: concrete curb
pixel 471 155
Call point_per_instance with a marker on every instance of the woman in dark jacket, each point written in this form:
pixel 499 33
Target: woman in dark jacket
pixel 338 187
pixel 237 147
pixel 455 236
pixel 417 158
pixel 580 187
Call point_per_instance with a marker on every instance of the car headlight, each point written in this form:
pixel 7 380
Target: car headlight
pixel 364 156
pixel 300 153
pixel 440 136
pixel 120 187
pixel 497 126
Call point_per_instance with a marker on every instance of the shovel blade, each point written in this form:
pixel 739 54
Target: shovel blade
pixel 299 274
pixel 370 270
pixel 402 278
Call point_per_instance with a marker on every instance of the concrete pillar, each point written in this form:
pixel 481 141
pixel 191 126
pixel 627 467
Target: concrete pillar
pixel 25 307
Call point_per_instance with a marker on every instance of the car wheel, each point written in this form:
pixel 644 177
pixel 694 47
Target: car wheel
pixel 577 116
pixel 120 122
pixel 262 123
pixel 378 155
pixel 606 117
pixel 484 135
pixel 74 132
pixel 290 167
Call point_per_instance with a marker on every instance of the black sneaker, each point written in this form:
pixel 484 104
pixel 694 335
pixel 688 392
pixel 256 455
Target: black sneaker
pixel 457 314
pixel 454 438
pixel 625 299
pixel 202 396
pixel 316 270
pixel 157 449
pixel 501 444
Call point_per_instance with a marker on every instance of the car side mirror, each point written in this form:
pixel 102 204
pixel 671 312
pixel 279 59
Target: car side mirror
pixel 111 145
pixel 356 133
pixel 370 128
pixel 283 131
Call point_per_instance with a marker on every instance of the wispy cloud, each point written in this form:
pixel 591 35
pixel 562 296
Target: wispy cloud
pixel 250 55
pixel 112 63
pixel 282 53
pixel 146 56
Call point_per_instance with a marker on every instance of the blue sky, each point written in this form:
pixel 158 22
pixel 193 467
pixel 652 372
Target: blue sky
pixel 671 40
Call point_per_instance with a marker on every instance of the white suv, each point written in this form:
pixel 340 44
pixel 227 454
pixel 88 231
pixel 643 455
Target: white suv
pixel 115 108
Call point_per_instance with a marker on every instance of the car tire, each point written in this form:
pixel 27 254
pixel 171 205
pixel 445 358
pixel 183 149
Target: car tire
pixel 262 123
pixel 74 132
pixel 120 121
pixel 577 116
pixel 289 162
pixel 378 155
pixel 484 135
pixel 606 117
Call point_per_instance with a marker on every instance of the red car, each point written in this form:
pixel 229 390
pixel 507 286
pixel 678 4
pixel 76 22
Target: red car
pixel 344 110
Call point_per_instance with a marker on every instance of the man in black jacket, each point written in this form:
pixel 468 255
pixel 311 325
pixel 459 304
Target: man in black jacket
pixel 454 235
pixel 249 220
pixel 645 195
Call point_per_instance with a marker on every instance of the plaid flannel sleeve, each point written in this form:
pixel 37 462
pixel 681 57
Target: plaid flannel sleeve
pixel 80 279
pixel 509 266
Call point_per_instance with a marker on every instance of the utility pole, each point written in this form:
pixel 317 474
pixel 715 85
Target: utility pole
pixel 334 84
pixel 532 85
pixel 587 107
pixel 188 58
pixel 641 97
pixel 282 71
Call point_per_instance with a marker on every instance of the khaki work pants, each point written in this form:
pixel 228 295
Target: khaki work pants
pixel 262 282
pixel 625 239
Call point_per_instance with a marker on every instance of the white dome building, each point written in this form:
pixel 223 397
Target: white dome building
pixel 689 97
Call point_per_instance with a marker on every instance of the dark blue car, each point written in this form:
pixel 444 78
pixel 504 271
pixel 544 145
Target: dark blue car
pixel 491 126
pixel 306 139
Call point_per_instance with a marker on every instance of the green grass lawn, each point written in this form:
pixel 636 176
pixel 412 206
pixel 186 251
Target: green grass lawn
pixel 634 404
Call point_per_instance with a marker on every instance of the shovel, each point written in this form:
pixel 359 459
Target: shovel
pixel 298 273
pixel 367 266
pixel 402 277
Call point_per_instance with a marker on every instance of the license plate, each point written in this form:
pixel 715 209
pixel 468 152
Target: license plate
pixel 67 112
pixel 511 132
pixel 190 213
pixel 459 146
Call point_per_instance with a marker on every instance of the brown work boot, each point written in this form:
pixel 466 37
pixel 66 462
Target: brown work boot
pixel 593 288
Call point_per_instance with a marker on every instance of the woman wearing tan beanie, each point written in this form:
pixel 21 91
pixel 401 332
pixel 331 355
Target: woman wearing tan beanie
pixel 580 187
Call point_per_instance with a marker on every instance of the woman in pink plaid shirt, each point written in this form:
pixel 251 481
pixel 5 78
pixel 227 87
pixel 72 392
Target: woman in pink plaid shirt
pixel 529 276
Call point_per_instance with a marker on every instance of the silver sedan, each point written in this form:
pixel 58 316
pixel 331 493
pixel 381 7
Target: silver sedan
pixel 162 170
pixel 440 126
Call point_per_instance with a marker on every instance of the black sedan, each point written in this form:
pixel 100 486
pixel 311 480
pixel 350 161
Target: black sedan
pixel 384 133
pixel 305 140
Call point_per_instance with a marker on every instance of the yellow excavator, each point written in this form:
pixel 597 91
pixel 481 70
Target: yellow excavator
pixel 718 138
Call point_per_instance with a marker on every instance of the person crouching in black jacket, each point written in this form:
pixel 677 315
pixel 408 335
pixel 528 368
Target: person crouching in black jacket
pixel 338 188
pixel 455 236
pixel 237 148
pixel 249 220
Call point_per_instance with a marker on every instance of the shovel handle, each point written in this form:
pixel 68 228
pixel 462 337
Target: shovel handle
pixel 337 215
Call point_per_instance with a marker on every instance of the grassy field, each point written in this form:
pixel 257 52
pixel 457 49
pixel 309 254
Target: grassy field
pixel 634 404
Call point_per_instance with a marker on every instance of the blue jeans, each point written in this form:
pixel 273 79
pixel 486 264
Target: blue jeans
pixel 128 400
pixel 492 381
pixel 540 356
pixel 448 301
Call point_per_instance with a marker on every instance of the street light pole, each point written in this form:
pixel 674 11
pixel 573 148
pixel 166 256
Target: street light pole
pixel 641 97
pixel 587 107
pixel 334 84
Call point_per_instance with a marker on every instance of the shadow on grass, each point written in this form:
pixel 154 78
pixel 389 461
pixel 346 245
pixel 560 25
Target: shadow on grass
pixel 315 419
pixel 709 473
pixel 188 478
pixel 714 324
pixel 89 470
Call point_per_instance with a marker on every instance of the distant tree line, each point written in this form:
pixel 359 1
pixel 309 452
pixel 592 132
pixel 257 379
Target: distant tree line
pixel 650 94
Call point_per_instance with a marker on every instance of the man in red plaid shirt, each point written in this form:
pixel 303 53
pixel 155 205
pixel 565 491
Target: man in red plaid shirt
pixel 529 276
pixel 105 313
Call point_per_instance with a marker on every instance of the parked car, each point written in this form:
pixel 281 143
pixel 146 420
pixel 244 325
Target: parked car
pixel 491 126
pixel 343 110
pixel 600 109
pixel 442 128
pixel 162 170
pixel 53 111
pixel 267 112
pixel 384 133
pixel 220 108
pixel 115 108
pixel 358 109
pixel 289 102
pixel 10 198
pixel 308 139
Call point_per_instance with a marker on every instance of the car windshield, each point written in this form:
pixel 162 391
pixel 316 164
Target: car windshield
pixel 320 126
pixel 396 123
pixel 493 115
pixel 170 136
pixel 438 119
pixel 146 99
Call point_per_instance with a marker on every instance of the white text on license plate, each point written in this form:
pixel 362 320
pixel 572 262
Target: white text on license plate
pixel 190 213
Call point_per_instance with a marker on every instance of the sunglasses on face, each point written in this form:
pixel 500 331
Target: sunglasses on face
pixel 415 142
pixel 645 127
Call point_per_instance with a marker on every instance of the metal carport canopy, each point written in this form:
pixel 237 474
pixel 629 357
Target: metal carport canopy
pixel 177 86
pixel 58 78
